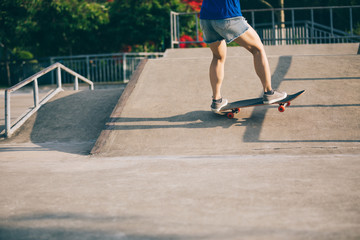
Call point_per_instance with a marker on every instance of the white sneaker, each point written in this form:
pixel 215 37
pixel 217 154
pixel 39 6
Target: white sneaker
pixel 218 104
pixel 273 97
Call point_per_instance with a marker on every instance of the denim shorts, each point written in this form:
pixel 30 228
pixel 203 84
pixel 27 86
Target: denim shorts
pixel 223 29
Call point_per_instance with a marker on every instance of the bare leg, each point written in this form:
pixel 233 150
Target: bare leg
pixel 252 42
pixel 217 67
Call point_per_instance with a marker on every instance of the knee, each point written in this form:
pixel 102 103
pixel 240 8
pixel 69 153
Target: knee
pixel 258 50
pixel 219 58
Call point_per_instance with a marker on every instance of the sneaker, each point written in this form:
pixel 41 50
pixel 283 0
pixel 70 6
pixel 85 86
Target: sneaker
pixel 218 104
pixel 273 96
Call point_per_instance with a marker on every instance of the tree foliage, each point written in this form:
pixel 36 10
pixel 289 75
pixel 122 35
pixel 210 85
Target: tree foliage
pixel 50 27
pixel 144 25
pixel 66 27
pixel 13 22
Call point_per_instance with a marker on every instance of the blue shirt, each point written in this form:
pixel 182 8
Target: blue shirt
pixel 220 9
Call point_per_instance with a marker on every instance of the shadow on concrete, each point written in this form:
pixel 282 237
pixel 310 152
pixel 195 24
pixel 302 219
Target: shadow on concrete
pixel 75 120
pixel 206 119
pixel 52 226
pixel 70 123
pixel 194 119
pixel 278 76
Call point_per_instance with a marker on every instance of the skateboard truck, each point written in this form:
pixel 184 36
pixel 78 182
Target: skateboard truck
pixel 234 111
pixel 231 114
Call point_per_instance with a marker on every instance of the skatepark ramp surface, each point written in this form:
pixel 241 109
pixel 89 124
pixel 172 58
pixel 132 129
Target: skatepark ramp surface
pixel 167 168
pixel 165 108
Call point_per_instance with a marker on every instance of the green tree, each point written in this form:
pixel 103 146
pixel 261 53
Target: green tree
pixel 13 21
pixel 51 27
pixel 65 27
pixel 144 24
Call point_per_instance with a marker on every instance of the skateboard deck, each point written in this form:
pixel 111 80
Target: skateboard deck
pixel 234 107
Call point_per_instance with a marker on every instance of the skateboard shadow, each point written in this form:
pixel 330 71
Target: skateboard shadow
pixel 194 119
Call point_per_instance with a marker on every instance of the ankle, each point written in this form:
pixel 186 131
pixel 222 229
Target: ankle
pixel 217 100
pixel 270 92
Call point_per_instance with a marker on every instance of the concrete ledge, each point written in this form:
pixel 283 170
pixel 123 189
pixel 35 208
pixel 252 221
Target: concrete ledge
pixel 104 136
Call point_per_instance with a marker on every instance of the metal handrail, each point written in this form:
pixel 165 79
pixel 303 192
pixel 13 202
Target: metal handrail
pixel 108 55
pixel 303 32
pixel 11 128
pixel 123 70
pixel 175 22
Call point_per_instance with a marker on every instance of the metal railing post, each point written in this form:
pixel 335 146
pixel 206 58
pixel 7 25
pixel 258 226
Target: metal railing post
pixel 76 84
pixel 273 27
pixel 293 26
pixel 124 67
pixel 177 28
pixel 253 18
pixel 331 22
pixel 7 114
pixel 312 26
pixel 36 92
pixel 307 33
pixel 52 75
pixel 171 29
pixel 351 22
pixel 88 67
pixel 58 79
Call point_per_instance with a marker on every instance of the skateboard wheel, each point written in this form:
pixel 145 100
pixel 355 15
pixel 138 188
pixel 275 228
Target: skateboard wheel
pixel 238 110
pixel 230 115
pixel 288 104
pixel 281 108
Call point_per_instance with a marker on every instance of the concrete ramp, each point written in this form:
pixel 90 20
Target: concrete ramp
pixel 70 122
pixel 165 110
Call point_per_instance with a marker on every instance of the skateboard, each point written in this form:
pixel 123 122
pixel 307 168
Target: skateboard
pixel 232 108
